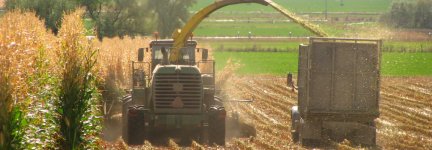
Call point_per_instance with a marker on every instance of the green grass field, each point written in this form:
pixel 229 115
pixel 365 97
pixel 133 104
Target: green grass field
pixel 407 64
pixel 308 6
pixel 393 64
pixel 259 62
pixel 276 29
pixel 292 45
pixel 261 17
pixel 408 45
pixel 243 28
pixel 247 44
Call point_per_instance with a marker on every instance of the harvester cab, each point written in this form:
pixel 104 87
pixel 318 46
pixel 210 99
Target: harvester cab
pixel 161 52
pixel 156 54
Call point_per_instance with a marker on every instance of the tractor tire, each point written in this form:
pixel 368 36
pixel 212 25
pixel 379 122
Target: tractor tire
pixel 216 128
pixel 374 135
pixel 295 119
pixel 310 142
pixel 135 126
pixel 126 101
pixel 372 124
pixel 295 136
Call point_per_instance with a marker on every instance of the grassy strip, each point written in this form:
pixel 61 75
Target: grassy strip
pixel 272 27
pixel 259 62
pixel 308 6
pixel 407 46
pixel 257 29
pixel 406 64
pixel 393 64
pixel 254 45
pixel 292 45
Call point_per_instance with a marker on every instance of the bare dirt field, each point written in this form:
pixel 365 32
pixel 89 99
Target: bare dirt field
pixel 405 121
pixel 405 106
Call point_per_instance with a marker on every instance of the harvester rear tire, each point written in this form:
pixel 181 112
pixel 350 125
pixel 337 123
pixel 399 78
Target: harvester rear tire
pixel 295 136
pixel 136 126
pixel 217 125
pixel 126 101
pixel 310 142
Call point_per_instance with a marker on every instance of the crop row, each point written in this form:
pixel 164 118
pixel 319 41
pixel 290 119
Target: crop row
pixel 49 85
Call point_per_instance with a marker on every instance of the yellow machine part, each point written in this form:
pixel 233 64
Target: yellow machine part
pixel 181 35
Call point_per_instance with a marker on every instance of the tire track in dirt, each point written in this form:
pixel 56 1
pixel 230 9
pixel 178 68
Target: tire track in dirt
pixel 408 112
pixel 268 104
pixel 404 100
pixel 406 92
pixel 263 89
pixel 272 133
pixel 268 95
pixel 405 121
pixel 406 124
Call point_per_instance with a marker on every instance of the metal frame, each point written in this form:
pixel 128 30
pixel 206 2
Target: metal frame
pixel 213 73
pixel 146 77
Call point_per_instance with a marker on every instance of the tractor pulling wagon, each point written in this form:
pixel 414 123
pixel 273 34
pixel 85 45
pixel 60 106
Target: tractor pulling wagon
pixel 338 91
pixel 338 87
pixel 173 97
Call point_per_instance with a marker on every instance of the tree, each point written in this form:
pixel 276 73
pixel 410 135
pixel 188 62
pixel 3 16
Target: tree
pixel 423 14
pixel 50 10
pixel 119 17
pixel 401 14
pixel 114 17
pixel 170 14
pixel 409 14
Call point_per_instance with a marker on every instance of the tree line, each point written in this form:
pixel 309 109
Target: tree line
pixel 113 17
pixel 409 14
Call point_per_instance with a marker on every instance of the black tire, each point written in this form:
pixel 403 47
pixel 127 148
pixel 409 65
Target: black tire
pixel 310 142
pixel 126 101
pixel 295 119
pixel 372 123
pixel 216 130
pixel 135 126
pixel 295 136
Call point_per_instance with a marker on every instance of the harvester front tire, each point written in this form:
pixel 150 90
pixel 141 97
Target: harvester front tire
pixel 217 125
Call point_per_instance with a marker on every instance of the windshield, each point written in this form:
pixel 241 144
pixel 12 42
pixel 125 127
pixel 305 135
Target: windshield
pixel 158 52
pixel 187 54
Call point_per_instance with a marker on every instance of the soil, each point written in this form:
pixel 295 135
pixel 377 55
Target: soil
pixel 405 121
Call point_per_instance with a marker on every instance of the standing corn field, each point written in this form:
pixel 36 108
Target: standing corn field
pixel 27 84
pixel 40 75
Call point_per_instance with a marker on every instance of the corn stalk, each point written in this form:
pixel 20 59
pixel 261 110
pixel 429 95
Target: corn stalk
pixel 78 92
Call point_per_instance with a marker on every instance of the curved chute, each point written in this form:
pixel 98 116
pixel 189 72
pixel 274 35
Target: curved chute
pixel 181 35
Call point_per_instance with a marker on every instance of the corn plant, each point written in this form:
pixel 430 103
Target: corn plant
pixel 78 92
pixel 25 94
pixel 38 127
pixel 5 113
